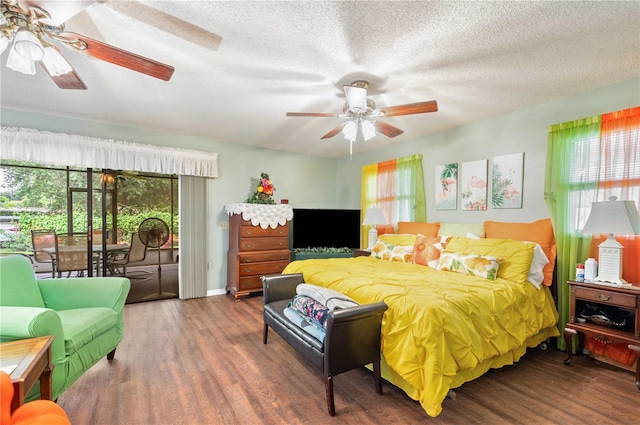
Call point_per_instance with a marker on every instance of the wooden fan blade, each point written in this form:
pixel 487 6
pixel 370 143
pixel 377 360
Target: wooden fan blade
pixel 387 129
pixel 311 114
pixel 335 131
pixel 60 11
pixel 356 97
pixel 168 23
pixel 68 81
pixel 117 56
pixel 410 108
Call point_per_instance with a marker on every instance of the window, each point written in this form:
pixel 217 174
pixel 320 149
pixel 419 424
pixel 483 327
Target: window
pixel 397 187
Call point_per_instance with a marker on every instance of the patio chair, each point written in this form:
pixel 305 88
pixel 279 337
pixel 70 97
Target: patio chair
pixel 41 240
pixel 71 254
pixel 137 252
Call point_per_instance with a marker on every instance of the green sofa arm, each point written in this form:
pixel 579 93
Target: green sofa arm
pixel 31 322
pixel 88 292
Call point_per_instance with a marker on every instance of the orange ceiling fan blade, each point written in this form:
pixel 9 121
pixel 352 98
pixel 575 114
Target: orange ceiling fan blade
pixel 335 131
pixel 311 114
pixel 387 129
pixel 69 81
pixel 410 108
pixel 117 56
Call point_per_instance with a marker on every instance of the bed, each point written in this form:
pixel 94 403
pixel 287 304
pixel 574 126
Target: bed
pixel 445 327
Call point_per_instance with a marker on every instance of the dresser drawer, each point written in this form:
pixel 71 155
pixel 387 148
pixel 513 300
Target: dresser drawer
pixel 605 297
pixel 257 257
pixel 260 244
pixel 248 283
pixel 259 232
pixel 260 269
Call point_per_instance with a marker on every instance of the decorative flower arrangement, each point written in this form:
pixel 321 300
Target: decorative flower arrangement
pixel 264 191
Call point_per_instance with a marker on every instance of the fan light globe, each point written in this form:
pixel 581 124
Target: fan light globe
pixel 20 64
pixel 55 63
pixel 28 46
pixel 368 130
pixel 350 131
pixel 4 42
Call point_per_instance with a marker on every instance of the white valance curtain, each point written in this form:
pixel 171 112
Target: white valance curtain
pixel 23 144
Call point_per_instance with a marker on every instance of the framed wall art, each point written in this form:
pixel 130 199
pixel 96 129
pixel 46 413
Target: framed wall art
pixel 446 181
pixel 506 181
pixel 473 187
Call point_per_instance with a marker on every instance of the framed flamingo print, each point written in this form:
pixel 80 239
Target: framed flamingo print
pixel 447 186
pixel 506 181
pixel 473 187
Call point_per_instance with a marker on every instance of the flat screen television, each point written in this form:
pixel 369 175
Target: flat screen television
pixel 325 228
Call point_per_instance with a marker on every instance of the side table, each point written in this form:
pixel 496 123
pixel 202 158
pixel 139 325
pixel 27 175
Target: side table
pixel 625 298
pixel 27 361
pixel 361 253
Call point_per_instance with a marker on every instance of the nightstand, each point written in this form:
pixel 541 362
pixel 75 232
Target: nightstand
pixel 626 298
pixel 361 253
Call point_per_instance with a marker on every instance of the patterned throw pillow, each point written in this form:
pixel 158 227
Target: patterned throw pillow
pixel 484 266
pixel 426 250
pixel 391 252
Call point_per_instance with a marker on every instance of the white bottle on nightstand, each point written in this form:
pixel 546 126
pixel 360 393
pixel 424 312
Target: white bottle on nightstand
pixel 590 270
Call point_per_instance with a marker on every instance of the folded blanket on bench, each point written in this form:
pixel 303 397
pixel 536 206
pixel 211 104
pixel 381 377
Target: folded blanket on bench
pixel 305 324
pixel 328 297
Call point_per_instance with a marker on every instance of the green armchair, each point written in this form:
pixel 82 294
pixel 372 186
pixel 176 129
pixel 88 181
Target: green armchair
pixel 84 314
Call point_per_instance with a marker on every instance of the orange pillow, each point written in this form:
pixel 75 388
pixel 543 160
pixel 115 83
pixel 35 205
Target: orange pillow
pixel 418 228
pixel 427 250
pixel 540 232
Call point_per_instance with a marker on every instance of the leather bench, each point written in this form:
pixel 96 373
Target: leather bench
pixel 352 334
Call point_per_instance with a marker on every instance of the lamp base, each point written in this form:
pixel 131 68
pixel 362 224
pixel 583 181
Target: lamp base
pixel 373 235
pixel 610 268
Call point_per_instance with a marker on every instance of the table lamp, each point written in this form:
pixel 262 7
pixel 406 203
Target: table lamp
pixel 373 216
pixel 612 217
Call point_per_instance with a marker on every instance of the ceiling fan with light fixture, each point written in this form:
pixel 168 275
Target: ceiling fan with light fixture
pixel 361 113
pixel 33 26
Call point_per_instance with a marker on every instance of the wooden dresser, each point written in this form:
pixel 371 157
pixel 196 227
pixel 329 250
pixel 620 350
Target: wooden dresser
pixel 254 252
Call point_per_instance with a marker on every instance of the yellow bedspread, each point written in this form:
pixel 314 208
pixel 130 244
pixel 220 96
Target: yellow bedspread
pixel 442 328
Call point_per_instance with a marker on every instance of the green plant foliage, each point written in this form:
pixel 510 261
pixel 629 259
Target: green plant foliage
pixel 498 186
pixel 322 250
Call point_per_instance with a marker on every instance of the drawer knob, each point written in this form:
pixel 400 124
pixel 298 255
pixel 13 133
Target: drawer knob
pixel 604 297
pixel 248 270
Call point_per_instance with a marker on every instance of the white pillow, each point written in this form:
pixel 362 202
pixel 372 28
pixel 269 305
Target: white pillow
pixel 472 236
pixel 536 275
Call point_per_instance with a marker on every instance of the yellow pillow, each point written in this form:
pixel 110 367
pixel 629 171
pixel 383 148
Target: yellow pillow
pixel 398 239
pixel 461 229
pixel 418 228
pixel 540 232
pixel 518 255
pixel 485 266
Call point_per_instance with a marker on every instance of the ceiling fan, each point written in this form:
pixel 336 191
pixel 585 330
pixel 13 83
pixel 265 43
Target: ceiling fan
pixel 361 114
pixel 33 25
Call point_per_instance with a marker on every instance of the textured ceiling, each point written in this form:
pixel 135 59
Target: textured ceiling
pixel 255 61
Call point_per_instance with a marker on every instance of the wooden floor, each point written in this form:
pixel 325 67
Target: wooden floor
pixel 145 285
pixel 202 361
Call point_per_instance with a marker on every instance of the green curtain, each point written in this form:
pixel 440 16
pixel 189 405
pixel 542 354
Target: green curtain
pixel 569 147
pixel 410 181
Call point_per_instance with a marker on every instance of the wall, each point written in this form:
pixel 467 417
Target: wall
pixel 238 166
pixel 520 131
pixel 524 130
